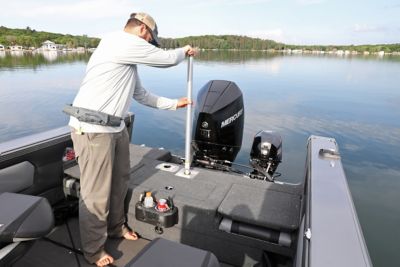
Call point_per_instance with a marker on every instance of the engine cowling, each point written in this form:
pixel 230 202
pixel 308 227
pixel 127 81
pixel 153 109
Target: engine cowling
pixel 218 121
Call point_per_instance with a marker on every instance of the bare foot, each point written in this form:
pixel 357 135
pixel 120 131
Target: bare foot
pixel 104 261
pixel 131 235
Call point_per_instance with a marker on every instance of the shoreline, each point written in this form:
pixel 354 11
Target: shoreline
pixel 271 51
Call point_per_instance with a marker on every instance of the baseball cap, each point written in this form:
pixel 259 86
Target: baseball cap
pixel 150 23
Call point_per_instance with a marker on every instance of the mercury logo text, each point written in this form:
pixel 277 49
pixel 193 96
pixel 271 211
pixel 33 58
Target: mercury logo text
pixel 231 119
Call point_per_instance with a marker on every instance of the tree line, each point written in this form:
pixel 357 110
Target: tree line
pixel 222 42
pixel 247 43
pixel 387 48
pixel 31 38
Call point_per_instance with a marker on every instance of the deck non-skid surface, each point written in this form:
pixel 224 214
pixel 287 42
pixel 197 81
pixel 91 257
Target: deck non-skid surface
pixel 272 209
pixel 248 200
pixel 199 201
pixel 139 155
pixel 45 253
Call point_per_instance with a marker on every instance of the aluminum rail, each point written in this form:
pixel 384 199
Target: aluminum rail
pixel 189 117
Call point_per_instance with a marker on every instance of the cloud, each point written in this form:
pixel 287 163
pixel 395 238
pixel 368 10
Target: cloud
pixel 309 2
pixel 213 3
pixel 392 6
pixel 367 28
pixel 273 34
pixel 247 2
pixel 89 9
pixel 277 35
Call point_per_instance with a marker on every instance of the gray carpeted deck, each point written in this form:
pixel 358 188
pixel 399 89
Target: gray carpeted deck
pixel 46 253
pixel 205 199
pixel 211 195
pixel 58 248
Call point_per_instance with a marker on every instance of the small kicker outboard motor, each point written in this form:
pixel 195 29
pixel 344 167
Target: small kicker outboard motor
pixel 266 154
pixel 218 123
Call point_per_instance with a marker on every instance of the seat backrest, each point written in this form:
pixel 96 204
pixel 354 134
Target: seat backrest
pixel 24 217
pixel 16 178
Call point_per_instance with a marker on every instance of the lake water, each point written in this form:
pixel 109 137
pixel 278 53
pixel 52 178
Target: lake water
pixel 355 100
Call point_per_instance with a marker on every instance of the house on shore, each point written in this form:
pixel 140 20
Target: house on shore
pixel 49 46
pixel 16 48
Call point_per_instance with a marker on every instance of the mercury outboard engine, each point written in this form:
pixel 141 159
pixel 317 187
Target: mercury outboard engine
pixel 266 154
pixel 218 123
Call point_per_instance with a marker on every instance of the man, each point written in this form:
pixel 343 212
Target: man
pixel 102 149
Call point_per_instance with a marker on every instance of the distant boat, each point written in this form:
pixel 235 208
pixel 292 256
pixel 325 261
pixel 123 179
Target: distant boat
pixel 2 47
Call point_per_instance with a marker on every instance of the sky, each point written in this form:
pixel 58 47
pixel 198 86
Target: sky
pixel 302 22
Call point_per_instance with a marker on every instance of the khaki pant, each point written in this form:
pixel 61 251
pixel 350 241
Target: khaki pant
pixel 103 160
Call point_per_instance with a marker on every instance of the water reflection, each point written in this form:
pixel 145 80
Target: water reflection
pixel 234 56
pixel 50 55
pixel 29 60
pixel 17 53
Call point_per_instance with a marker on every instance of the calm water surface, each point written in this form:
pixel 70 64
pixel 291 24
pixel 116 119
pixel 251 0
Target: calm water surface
pixel 356 100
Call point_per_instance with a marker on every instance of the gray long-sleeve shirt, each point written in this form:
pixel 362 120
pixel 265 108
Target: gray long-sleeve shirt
pixel 112 79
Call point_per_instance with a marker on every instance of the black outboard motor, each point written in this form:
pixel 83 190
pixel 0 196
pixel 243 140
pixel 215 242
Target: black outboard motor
pixel 218 122
pixel 266 153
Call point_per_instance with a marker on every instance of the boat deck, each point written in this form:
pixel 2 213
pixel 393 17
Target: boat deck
pixel 58 249
pixel 49 252
pixel 202 201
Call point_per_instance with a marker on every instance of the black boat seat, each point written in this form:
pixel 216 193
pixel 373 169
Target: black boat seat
pixel 22 218
pixel 16 178
pixel 164 253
